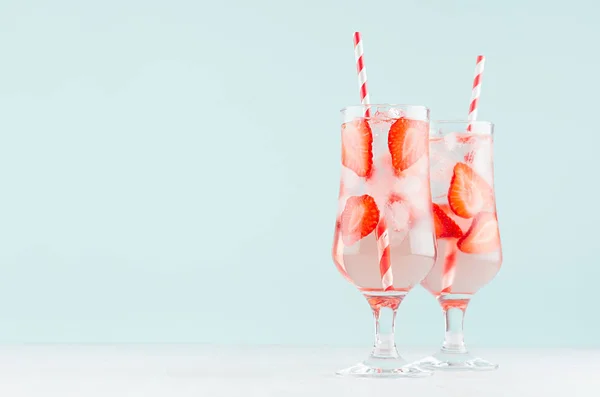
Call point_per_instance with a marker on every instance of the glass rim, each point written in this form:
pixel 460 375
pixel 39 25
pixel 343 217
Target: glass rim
pixel 480 122
pixel 398 105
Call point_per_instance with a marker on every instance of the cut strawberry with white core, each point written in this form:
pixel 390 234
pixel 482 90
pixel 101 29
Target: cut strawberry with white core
pixel 357 147
pixel 407 142
pixel 469 193
pixel 359 218
pixel 482 237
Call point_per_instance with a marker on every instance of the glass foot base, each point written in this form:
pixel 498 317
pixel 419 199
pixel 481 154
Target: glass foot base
pixel 385 368
pixel 445 361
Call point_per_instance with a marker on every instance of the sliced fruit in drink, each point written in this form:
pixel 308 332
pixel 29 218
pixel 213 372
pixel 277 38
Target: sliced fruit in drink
pixel 463 223
pixel 445 227
pixel 482 237
pixel 357 147
pixel 359 218
pixel 469 193
pixel 407 142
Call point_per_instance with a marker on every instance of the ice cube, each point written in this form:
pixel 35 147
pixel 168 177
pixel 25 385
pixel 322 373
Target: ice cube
pixel 482 160
pixel 383 115
pixel 422 238
pixel 451 140
pixel 421 203
pixel 352 183
pixel 406 186
pixel 380 139
pixel 442 167
pixel 379 117
pixel 398 215
pixel 395 113
pixel 378 185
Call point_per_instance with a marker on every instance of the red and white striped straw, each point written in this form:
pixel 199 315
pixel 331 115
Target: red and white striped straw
pixel 362 72
pixel 381 232
pixel 383 248
pixel 476 89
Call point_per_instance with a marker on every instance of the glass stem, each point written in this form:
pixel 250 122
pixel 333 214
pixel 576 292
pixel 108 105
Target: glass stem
pixel 454 313
pixel 384 313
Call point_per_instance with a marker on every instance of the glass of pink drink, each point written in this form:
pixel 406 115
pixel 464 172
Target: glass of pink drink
pixel 468 240
pixel 384 234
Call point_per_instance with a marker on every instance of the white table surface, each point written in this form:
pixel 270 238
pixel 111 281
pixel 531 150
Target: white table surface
pixel 207 371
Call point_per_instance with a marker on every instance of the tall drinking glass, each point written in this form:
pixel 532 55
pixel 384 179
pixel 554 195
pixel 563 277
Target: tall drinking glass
pixel 384 235
pixel 466 225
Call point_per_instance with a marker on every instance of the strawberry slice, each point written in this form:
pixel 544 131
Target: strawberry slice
pixel 462 223
pixel 445 227
pixel 482 237
pixel 357 147
pixel 407 142
pixel 469 193
pixel 359 218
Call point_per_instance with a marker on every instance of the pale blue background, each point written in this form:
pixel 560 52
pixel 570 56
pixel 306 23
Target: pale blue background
pixel 169 169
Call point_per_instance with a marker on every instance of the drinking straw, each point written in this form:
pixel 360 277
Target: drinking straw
pixel 381 231
pixel 362 73
pixel 476 92
pixel 450 259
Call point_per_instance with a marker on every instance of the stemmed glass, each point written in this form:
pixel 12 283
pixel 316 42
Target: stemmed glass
pixel 466 226
pixel 384 234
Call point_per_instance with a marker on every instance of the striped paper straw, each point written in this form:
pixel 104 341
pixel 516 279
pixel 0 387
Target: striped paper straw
pixel 362 72
pixel 476 89
pixel 383 248
pixel 381 232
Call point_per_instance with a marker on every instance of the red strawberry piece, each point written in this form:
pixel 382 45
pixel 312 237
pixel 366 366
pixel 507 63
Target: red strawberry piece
pixel 469 193
pixel 357 147
pixel 482 237
pixel 359 218
pixel 407 142
pixel 445 227
pixel 462 223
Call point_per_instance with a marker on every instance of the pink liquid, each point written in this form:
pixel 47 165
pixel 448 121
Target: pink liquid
pixel 455 271
pixel 410 263
pixel 403 200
